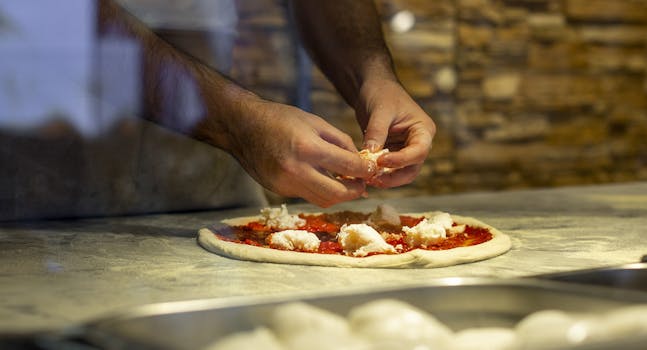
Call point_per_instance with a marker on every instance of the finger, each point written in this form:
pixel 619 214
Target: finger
pixel 305 190
pixel 415 151
pixel 326 191
pixel 396 178
pixel 377 130
pixel 339 161
pixel 332 134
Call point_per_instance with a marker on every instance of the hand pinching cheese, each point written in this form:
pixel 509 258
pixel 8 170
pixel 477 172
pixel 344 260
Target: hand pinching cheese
pixel 362 239
pixel 295 240
pixel 279 218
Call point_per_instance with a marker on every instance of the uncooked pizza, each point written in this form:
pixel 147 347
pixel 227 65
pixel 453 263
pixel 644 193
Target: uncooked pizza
pixel 382 238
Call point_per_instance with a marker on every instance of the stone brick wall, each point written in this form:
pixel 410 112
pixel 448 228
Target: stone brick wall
pixel 525 93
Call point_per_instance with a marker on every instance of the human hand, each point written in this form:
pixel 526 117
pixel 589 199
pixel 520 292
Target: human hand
pixel 391 119
pixel 297 154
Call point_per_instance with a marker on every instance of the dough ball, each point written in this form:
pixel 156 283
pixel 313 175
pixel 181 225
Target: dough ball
pixel 626 321
pixel 486 338
pixel 260 338
pixel 294 319
pixel 313 340
pixel 390 321
pixel 550 329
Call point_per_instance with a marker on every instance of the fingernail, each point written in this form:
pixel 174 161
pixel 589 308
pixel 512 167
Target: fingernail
pixel 371 145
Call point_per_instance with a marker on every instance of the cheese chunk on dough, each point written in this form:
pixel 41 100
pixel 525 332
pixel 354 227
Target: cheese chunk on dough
pixel 279 218
pixel 443 219
pixel 428 231
pixel 295 240
pixel 362 239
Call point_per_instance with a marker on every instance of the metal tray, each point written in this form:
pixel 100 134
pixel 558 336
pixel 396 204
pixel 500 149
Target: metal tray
pixel 630 276
pixel 458 302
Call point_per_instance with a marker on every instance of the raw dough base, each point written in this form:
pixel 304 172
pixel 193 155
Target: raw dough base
pixel 499 244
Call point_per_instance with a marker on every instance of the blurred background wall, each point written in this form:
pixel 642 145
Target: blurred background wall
pixel 525 93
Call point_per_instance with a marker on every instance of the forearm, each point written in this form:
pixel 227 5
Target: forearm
pixel 167 75
pixel 345 39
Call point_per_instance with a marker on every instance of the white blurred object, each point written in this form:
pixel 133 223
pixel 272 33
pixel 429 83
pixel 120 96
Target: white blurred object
pixel 549 329
pixel 445 79
pixel 260 338
pixel 386 321
pixel 625 322
pixel 486 338
pixel 403 21
pixel 302 326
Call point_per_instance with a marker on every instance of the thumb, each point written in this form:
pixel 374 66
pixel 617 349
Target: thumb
pixel 377 131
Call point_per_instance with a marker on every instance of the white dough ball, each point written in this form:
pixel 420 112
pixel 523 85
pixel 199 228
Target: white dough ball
pixel 486 338
pixel 294 319
pixel 551 329
pixel 627 321
pixel 324 341
pixel 390 321
pixel 260 338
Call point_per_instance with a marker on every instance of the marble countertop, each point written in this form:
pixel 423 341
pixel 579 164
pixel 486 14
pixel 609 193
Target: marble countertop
pixel 59 273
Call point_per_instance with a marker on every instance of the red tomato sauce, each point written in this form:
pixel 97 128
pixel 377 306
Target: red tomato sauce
pixel 326 228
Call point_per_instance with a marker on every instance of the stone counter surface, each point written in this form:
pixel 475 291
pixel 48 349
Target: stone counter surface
pixel 58 273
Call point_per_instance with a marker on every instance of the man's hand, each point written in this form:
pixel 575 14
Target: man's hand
pixel 298 154
pixel 391 119
pixel 345 39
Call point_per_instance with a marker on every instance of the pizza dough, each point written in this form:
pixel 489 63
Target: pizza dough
pixel 396 324
pixel 417 258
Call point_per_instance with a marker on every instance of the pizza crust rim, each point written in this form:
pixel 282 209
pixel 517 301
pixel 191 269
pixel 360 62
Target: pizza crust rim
pixel 417 258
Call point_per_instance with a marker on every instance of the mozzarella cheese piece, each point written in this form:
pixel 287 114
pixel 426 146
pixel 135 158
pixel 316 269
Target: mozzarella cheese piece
pixel 428 231
pixel 279 218
pixel 362 239
pixel 384 214
pixel 372 157
pixel 295 239
pixel 443 219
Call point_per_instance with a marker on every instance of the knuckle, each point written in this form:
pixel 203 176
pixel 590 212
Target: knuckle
pixel 346 139
pixel 432 129
pixel 303 148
